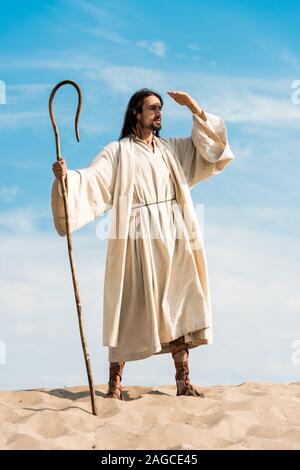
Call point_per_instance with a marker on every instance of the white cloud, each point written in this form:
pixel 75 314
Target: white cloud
pixel 108 35
pixel 124 79
pixel 193 47
pixel 29 90
pixel 23 220
pixel 246 100
pixel 236 99
pixel 2 92
pixel 97 11
pixel 256 108
pixel 18 220
pixel 59 60
pixel 289 57
pixel 104 17
pixel 9 194
pixel 20 119
pixel 157 48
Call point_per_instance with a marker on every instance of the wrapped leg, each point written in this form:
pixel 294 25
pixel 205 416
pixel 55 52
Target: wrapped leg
pixel 115 378
pixel 180 354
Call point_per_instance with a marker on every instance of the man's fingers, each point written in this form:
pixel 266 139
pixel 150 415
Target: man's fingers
pixel 59 168
pixel 177 92
pixel 58 164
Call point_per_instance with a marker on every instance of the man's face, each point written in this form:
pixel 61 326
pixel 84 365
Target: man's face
pixel 151 116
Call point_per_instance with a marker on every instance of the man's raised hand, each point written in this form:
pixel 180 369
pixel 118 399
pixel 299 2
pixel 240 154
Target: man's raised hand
pixel 185 99
pixel 180 97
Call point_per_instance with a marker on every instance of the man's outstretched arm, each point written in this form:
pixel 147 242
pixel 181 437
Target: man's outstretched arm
pixel 206 152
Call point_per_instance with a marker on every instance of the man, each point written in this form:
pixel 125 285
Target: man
pixel 156 293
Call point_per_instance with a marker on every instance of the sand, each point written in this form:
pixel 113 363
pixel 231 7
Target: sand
pixel 253 415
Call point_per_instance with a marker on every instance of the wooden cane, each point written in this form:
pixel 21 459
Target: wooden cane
pixel 69 238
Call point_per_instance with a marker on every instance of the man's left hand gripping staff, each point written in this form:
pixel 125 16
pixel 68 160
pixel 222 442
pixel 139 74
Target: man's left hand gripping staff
pixel 59 168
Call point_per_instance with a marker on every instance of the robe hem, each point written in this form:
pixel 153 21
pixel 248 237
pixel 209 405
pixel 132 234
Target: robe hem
pixel 165 348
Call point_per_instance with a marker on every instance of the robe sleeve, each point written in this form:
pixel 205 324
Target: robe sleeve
pixel 206 152
pixel 89 191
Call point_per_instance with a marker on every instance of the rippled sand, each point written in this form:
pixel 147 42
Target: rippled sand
pixel 248 416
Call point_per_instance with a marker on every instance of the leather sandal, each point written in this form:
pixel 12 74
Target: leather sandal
pixel 114 385
pixel 183 385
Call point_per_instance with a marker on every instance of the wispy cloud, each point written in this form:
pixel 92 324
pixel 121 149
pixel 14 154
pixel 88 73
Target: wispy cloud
pixel 289 57
pixel 104 17
pixel 193 47
pixel 2 92
pixel 24 92
pixel 54 60
pixel 236 99
pixel 97 11
pixel 157 48
pixel 19 119
pixel 244 100
pixel 122 78
pixel 107 35
pixel 9 194
pixel 20 220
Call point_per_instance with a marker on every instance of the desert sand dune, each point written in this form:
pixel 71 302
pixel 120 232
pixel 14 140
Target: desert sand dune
pixel 253 415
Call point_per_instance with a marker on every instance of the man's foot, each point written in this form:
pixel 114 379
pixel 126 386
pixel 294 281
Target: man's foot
pixel 180 354
pixel 114 392
pixel 184 387
pixel 115 377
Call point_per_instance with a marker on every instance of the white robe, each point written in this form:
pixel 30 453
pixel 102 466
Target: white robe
pixel 108 183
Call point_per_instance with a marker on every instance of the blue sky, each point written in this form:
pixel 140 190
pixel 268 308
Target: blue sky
pixel 239 60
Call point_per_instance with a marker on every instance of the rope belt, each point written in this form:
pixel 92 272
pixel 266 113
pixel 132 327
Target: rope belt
pixel 142 205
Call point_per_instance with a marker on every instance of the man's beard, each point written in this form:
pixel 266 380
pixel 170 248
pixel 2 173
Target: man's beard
pixel 155 125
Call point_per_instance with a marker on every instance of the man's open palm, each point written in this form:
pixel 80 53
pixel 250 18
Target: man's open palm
pixel 180 97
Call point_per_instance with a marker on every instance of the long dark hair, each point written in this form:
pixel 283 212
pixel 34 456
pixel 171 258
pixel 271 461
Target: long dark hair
pixel 135 105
